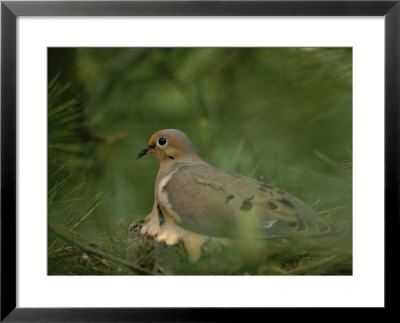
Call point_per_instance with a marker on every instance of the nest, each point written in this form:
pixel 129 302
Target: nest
pixel 141 254
pixel 160 258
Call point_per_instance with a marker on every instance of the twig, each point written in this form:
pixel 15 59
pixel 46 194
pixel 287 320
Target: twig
pixel 71 237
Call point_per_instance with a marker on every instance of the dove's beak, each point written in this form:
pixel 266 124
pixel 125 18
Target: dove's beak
pixel 145 151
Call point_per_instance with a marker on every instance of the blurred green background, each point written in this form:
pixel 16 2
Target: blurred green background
pixel 280 115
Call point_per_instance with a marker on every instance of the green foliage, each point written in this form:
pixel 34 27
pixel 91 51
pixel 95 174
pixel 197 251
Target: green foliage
pixel 66 129
pixel 280 115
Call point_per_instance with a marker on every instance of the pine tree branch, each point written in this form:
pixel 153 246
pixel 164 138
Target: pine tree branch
pixel 71 237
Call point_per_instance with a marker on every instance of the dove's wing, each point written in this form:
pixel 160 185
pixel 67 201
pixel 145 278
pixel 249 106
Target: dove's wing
pixel 216 203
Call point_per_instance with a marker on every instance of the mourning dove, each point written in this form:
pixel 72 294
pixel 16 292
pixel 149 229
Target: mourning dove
pixel 195 202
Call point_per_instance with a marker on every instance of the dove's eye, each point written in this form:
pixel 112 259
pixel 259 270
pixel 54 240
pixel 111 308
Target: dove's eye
pixel 162 142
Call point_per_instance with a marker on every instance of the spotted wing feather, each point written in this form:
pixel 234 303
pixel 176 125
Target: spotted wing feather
pixel 222 204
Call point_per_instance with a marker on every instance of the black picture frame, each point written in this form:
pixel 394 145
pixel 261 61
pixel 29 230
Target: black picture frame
pixel 10 10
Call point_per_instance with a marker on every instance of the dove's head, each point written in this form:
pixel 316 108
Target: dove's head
pixel 170 145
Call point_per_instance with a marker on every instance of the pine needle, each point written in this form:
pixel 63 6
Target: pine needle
pixel 86 215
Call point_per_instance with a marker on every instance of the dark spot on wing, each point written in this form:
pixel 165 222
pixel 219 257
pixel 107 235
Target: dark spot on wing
pixel 262 189
pixel 301 225
pixel 229 197
pixel 161 219
pixel 267 185
pixel 273 206
pixel 287 203
pixel 171 157
pixel 292 224
pixel 247 205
